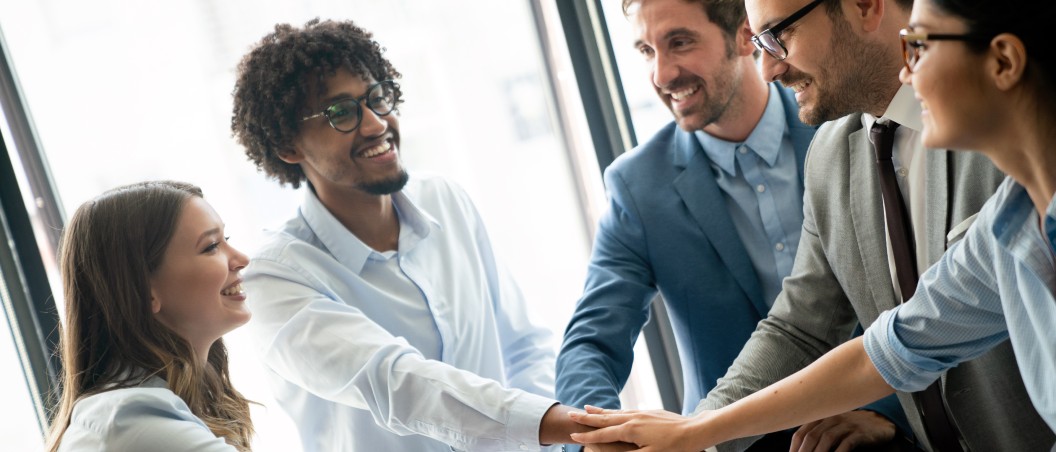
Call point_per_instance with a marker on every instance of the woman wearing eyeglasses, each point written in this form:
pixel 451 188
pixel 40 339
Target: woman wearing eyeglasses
pixel 150 284
pixel 986 76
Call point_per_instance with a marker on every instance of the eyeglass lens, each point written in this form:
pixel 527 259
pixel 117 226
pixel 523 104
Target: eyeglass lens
pixel 346 115
pixel 770 44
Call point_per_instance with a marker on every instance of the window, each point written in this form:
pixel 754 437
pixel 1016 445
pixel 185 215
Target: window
pixel 126 91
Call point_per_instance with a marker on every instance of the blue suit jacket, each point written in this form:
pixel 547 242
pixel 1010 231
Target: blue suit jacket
pixel 667 228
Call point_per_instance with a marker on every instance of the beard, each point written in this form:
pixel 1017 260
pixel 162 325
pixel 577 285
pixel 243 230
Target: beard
pixel 719 95
pixel 387 186
pixel 859 78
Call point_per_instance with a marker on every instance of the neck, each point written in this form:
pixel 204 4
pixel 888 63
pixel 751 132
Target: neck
pixel 202 351
pixel 371 218
pixel 745 109
pixel 1024 152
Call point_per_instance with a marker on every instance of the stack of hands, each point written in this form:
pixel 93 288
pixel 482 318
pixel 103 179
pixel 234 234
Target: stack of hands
pixel 659 430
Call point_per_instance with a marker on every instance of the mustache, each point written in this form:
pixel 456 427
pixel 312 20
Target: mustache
pixel 680 83
pixel 792 77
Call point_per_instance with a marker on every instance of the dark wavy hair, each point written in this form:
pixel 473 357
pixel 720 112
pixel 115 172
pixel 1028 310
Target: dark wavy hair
pixel 283 72
pixel 111 339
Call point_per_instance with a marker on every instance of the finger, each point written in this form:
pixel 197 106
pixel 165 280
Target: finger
pixel 847 446
pixel 598 420
pixel 598 410
pixel 797 438
pixel 827 440
pixel 601 435
pixel 809 438
pixel 831 435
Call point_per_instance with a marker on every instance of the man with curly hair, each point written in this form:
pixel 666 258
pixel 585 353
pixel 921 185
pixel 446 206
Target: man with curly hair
pixel 384 318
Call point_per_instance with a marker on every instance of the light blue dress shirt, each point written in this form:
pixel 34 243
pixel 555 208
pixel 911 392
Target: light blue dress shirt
pixel 764 196
pixel 995 284
pixel 148 417
pixel 424 349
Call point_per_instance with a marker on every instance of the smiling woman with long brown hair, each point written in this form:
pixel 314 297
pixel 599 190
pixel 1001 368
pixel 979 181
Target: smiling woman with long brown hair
pixel 151 285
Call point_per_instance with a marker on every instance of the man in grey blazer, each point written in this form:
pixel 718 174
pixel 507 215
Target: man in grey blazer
pixel 843 58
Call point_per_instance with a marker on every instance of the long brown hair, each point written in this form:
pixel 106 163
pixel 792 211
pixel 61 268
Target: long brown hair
pixel 111 339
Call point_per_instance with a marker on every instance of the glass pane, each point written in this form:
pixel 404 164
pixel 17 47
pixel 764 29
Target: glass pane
pixel 648 113
pixel 18 421
pixel 124 91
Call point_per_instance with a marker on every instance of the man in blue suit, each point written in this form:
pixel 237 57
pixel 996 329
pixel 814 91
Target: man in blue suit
pixel 708 212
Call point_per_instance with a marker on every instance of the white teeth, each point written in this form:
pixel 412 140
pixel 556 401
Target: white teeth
pixel 377 150
pixel 679 95
pixel 233 290
pixel 799 87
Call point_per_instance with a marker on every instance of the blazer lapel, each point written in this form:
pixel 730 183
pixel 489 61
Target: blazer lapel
pixel 706 204
pixel 867 217
pixel 936 199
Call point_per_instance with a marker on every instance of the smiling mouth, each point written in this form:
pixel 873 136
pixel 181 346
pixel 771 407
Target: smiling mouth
pixel 798 87
pixel 234 289
pixel 683 93
pixel 380 149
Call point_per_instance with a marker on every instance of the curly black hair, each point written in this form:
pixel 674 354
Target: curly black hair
pixel 286 69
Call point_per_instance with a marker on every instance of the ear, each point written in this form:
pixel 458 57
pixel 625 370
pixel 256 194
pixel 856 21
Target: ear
pixel 868 14
pixel 155 303
pixel 743 43
pixel 1006 61
pixel 292 156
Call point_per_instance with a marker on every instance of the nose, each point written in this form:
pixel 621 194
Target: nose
pixel 237 261
pixel 664 70
pixel 372 125
pixel 771 67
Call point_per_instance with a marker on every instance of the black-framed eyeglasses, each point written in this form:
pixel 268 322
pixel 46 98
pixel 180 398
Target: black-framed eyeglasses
pixel 913 43
pixel 345 115
pixel 768 40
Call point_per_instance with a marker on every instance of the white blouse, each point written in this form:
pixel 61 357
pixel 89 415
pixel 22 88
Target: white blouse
pixel 147 417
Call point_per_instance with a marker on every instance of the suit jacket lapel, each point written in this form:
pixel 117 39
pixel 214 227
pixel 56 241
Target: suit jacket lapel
pixel 936 202
pixel 867 217
pixel 706 204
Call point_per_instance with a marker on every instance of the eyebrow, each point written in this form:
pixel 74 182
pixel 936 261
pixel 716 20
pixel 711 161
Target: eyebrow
pixel 208 233
pixel 770 24
pixel 680 31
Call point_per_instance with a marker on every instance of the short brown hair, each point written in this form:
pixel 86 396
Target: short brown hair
pixel 728 15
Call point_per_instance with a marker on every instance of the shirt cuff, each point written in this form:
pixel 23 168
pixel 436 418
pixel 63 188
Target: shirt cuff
pixel 526 416
pixel 892 359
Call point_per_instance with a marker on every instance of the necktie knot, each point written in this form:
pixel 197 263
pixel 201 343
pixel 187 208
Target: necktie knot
pixel 883 136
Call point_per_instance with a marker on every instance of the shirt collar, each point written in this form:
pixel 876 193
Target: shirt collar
pixel 765 140
pixel 349 249
pixel 903 109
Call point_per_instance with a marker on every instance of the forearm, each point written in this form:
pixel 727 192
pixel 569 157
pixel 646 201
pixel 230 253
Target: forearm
pixel 842 380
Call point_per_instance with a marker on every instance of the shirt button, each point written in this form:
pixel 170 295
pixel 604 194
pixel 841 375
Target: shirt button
pixel 742 149
pixel 779 247
pixel 902 172
pixel 760 188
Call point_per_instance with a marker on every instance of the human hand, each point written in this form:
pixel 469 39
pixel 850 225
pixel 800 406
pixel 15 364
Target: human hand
pixel 843 432
pixel 609 447
pixel 656 430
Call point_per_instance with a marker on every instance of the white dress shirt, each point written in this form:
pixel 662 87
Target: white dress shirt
pixel 908 158
pixel 427 348
pixel 148 417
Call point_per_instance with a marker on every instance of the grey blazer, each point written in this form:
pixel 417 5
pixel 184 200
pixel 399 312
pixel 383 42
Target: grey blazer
pixel 841 277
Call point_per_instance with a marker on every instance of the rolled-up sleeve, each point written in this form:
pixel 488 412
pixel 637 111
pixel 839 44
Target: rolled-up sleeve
pixel 954 316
